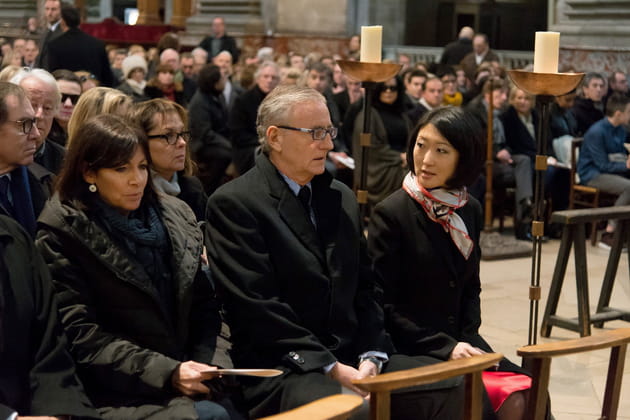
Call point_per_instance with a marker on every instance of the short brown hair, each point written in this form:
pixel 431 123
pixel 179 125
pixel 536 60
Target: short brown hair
pixel 143 114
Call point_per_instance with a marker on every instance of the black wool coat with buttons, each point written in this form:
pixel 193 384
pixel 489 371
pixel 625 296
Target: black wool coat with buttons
pixel 296 298
pixel 431 291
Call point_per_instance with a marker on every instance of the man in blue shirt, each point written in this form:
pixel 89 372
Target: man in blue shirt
pixel 604 161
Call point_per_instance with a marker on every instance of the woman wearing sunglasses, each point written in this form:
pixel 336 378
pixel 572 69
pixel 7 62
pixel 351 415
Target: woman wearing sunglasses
pixel 390 128
pixel 70 89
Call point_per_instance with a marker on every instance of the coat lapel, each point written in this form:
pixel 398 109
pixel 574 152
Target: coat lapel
pixel 290 208
pixel 438 237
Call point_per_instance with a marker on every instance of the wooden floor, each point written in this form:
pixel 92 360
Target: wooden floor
pixel 577 382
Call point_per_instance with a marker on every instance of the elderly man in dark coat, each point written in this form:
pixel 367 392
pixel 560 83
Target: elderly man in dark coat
pixel 38 375
pixel 286 243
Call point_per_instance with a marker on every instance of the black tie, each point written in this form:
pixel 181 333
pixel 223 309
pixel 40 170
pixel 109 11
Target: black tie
pixel 305 198
pixel 5 183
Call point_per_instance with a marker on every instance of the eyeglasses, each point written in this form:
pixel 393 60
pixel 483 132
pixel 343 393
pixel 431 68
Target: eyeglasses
pixel 27 124
pixel 316 133
pixel 73 98
pixel 171 138
pixel 389 88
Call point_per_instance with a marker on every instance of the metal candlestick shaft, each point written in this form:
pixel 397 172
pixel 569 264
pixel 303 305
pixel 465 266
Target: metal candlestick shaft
pixel 545 86
pixel 369 74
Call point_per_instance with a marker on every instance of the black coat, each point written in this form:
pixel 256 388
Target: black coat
pixel 585 114
pixel 455 52
pixel 296 298
pixel 518 140
pixel 52 156
pixel 431 292
pixel 38 375
pixel 207 119
pixel 192 193
pixel 75 50
pixel 227 44
pixel 125 344
pixel 242 125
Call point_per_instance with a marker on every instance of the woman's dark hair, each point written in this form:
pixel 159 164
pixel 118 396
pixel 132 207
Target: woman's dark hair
pixel 67 75
pixel 399 103
pixel 208 77
pixel 463 132
pixel 104 141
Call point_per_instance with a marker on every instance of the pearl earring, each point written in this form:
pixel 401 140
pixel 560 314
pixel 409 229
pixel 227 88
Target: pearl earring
pixel 92 188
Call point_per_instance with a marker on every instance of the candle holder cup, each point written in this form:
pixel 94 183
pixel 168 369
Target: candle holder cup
pixel 545 86
pixel 369 74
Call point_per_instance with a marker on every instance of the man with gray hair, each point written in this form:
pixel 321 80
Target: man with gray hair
pixel 242 119
pixel 285 242
pixel 43 93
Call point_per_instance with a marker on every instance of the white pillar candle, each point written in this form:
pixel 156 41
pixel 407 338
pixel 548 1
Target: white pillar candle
pixel 371 44
pixel 546 52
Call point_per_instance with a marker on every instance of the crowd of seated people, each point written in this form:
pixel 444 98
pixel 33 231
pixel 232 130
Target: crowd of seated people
pixel 106 188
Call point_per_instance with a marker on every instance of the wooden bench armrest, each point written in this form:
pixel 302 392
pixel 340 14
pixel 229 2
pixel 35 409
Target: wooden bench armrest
pixel 585 188
pixel 427 374
pixel 338 406
pixel 604 340
pixel 568 217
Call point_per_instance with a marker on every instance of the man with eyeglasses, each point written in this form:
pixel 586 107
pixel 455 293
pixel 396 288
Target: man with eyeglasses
pixel 285 242
pixel 21 196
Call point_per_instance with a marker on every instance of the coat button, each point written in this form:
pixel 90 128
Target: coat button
pixel 300 360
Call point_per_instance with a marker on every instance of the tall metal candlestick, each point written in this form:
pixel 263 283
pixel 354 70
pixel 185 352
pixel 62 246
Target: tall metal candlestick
pixel 545 86
pixel 369 74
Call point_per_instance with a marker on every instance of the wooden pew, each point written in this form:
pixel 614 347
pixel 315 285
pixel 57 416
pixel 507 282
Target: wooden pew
pixel 381 386
pixel 537 359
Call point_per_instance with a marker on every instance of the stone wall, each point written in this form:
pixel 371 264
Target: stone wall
pixel 594 33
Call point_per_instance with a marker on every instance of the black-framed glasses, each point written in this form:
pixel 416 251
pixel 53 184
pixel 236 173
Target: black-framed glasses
pixel 387 88
pixel 171 138
pixel 73 98
pixel 316 133
pixel 27 124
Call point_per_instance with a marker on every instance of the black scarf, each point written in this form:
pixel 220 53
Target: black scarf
pixel 144 236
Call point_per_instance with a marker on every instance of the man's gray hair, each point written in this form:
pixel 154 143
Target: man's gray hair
pixel 41 75
pixel 263 66
pixel 275 108
pixel 224 52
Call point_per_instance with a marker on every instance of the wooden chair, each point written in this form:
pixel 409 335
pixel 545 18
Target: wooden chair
pixel 537 359
pixel 381 386
pixel 335 407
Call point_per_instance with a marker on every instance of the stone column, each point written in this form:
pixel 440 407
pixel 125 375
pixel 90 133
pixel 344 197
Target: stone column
pixel 594 33
pixel 148 12
pixel 181 11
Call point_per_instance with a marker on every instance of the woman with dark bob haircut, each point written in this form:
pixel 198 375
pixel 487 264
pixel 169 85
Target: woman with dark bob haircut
pixel 424 241
pixel 390 127
pixel 139 313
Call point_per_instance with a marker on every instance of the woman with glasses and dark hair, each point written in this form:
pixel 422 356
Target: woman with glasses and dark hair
pixel 424 242
pixel 139 313
pixel 165 125
pixel 210 144
pixel 390 128
pixel 70 89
